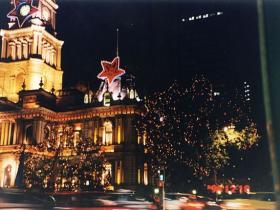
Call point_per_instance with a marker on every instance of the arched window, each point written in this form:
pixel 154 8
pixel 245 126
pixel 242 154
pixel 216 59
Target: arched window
pixel 131 94
pixel 8 176
pixel 107 174
pixel 86 99
pixel 107 133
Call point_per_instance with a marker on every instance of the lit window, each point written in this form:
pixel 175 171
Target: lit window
pixel 118 175
pixel 138 138
pixel 8 176
pixel 76 137
pixel 86 99
pixel 107 133
pixel 139 176
pixel 119 134
pixel 107 174
pixel 144 138
pixel 131 94
pixel 146 174
pixel 95 135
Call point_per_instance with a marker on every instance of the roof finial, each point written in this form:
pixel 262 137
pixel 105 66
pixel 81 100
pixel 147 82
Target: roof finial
pixel 119 96
pixel 23 85
pixel 52 90
pixel 117 42
pixel 41 84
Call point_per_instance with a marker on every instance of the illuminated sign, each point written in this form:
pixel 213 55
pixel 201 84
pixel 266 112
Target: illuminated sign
pixel 22 11
pixel 107 99
pixel 229 189
pixel 111 70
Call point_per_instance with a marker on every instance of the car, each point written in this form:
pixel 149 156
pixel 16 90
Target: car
pixel 180 201
pixel 102 201
pixel 252 201
pixel 17 199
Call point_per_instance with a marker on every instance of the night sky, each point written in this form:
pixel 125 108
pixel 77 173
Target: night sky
pixel 158 47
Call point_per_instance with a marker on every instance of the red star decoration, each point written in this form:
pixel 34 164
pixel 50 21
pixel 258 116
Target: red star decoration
pixel 111 70
pixel 14 13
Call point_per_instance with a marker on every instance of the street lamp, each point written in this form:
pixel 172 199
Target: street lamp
pixel 194 192
pixel 156 190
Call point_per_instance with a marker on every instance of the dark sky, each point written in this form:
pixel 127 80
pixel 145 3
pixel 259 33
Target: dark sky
pixel 157 47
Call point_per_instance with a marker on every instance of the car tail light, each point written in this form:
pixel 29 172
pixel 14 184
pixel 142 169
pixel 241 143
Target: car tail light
pixel 196 204
pixel 153 207
pixel 212 203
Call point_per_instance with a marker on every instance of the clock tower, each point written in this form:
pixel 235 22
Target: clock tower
pixel 30 51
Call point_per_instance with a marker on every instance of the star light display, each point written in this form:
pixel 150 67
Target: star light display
pixel 186 126
pixel 22 11
pixel 111 70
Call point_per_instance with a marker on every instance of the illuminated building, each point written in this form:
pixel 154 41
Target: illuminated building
pixel 32 97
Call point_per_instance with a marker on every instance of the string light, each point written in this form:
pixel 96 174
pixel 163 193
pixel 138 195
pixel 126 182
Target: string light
pixel 59 167
pixel 186 126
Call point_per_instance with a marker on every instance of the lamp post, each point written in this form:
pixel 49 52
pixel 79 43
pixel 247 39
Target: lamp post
pixel 162 185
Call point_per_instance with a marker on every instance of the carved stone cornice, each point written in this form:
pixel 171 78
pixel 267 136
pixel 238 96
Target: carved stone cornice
pixel 81 114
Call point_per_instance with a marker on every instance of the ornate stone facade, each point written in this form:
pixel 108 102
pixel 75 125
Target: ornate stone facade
pixel 32 99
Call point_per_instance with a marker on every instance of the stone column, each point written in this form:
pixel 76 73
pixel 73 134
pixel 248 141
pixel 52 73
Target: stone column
pixel 13 50
pixel 5 131
pixel 19 132
pixel 9 132
pixel 35 43
pixel 2 133
pixel 8 50
pixel 58 58
pixel 19 50
pixel 51 56
pixel 95 132
pixel 29 47
pixel 4 48
pixel 90 127
pixel 15 134
pixel 40 44
pixel 47 59
pixel 38 130
pixel 115 181
pixel 44 45
pixel 117 137
pixel 120 130
pixel 118 176
pixel 54 57
pixel 25 49
pixel 122 172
